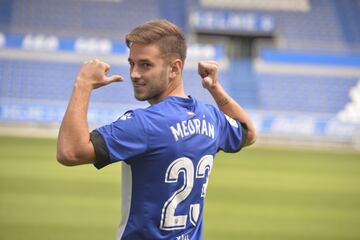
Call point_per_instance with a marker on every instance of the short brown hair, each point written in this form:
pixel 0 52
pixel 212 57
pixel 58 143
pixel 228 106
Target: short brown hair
pixel 166 35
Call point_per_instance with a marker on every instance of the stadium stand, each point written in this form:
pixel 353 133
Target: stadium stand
pixel 349 18
pixel 109 19
pixel 303 57
pixel 304 94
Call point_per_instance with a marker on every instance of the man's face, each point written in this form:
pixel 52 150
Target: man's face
pixel 149 72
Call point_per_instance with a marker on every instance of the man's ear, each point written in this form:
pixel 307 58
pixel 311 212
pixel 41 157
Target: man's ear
pixel 175 68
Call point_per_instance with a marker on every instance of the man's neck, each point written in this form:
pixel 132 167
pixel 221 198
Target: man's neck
pixel 172 91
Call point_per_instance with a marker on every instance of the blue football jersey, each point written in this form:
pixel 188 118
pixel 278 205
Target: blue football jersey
pixel 167 152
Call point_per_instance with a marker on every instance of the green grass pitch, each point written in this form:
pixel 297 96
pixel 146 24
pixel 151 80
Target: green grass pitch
pixel 259 193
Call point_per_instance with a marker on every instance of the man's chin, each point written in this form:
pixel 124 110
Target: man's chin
pixel 141 98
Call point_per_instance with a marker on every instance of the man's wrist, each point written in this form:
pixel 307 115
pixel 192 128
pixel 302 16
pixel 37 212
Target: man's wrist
pixel 214 88
pixel 219 94
pixel 83 85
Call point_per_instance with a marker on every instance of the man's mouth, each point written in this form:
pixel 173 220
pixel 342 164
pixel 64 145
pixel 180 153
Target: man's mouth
pixel 136 85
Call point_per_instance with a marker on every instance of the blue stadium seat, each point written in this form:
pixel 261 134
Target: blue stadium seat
pixel 40 80
pixel 304 93
pixel 330 25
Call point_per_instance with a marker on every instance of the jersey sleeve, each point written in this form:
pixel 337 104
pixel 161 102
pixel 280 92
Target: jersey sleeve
pixel 121 140
pixel 233 134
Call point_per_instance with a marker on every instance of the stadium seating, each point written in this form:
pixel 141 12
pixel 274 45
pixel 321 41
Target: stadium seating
pixel 349 18
pixel 87 18
pixel 303 93
pixel 95 28
pixel 53 81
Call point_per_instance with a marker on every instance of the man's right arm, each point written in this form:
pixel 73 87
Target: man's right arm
pixel 208 72
pixel 74 146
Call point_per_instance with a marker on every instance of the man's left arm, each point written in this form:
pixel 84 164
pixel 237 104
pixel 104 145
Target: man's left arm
pixel 208 71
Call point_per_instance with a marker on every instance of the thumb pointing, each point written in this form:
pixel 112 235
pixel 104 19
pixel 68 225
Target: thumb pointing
pixel 114 78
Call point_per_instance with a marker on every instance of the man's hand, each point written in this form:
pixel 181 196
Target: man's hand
pixel 93 74
pixel 208 70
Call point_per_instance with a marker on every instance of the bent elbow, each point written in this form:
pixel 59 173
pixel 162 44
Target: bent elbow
pixel 251 138
pixel 69 156
pixel 252 141
pixel 65 159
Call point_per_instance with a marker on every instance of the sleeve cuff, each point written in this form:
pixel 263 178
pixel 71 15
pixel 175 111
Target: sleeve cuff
pixel 244 134
pixel 101 151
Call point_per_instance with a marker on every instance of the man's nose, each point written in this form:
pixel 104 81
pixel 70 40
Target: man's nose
pixel 134 73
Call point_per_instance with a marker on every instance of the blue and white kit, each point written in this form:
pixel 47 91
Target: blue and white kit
pixel 167 152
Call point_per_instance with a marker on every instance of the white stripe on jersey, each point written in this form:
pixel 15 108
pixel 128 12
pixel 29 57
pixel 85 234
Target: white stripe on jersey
pixel 126 178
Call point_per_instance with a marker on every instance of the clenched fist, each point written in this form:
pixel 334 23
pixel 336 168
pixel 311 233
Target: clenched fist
pixel 93 73
pixel 208 70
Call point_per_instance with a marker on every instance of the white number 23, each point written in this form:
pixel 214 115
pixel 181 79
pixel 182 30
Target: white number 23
pixel 185 166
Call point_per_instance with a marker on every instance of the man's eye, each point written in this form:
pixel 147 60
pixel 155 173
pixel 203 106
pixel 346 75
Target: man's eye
pixel 146 65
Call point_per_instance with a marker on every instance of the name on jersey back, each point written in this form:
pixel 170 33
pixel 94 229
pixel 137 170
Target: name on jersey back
pixel 191 127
